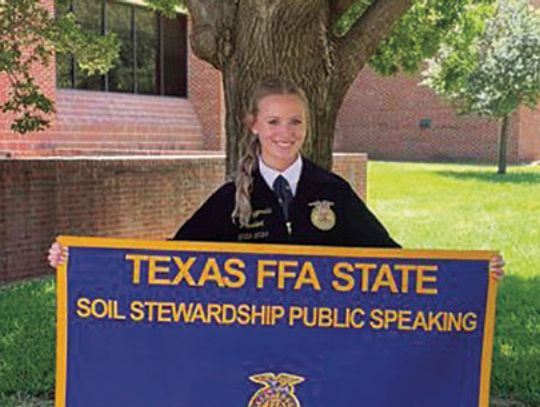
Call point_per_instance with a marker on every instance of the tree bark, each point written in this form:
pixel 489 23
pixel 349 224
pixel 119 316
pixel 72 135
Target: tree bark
pixel 504 135
pixel 249 40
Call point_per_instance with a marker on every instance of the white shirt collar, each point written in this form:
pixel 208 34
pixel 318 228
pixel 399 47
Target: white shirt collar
pixel 291 173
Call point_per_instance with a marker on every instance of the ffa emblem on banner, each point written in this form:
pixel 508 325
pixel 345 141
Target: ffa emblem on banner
pixel 278 391
pixel 322 215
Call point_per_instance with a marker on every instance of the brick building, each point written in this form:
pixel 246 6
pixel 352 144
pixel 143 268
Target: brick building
pixel 159 99
pixel 396 119
pixel 170 101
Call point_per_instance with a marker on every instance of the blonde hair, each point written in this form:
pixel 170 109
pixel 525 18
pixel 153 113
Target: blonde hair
pixel 252 147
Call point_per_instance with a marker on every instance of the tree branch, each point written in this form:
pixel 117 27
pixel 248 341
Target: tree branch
pixel 356 47
pixel 211 26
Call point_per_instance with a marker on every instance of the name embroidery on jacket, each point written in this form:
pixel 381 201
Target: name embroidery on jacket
pixel 254 222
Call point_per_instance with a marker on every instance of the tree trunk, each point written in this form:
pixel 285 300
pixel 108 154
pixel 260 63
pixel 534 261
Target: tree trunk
pixel 266 43
pixel 249 40
pixel 503 144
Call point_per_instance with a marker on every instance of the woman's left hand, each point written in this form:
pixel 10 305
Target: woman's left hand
pixel 496 267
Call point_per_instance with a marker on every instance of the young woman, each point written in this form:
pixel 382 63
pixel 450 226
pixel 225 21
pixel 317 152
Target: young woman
pixel 278 196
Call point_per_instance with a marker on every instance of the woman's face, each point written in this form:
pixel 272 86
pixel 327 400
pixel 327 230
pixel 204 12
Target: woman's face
pixel 281 127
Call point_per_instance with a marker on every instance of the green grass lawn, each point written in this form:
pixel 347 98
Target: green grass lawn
pixel 27 343
pixel 424 206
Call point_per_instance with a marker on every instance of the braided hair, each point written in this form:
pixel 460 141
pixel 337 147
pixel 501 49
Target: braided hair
pixel 252 147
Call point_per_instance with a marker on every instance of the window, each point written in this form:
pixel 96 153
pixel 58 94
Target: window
pixel 153 57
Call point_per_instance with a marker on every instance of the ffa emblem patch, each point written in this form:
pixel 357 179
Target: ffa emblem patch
pixel 278 391
pixel 322 215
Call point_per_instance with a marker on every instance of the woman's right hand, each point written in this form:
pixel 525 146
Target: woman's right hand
pixel 58 255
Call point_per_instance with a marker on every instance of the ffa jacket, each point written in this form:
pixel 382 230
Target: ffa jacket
pixel 325 211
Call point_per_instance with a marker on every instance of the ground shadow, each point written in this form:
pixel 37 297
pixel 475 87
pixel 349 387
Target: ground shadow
pixel 493 177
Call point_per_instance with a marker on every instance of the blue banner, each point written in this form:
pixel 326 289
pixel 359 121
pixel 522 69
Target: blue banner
pixel 186 324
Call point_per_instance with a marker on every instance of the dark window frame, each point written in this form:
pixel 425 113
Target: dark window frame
pixel 159 84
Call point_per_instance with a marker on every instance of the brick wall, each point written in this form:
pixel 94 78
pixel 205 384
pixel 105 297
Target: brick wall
pixel 206 93
pixel 130 197
pixel 45 77
pixel 381 116
pixel 99 123
pixel 352 167
pixel 139 198
pixel 529 135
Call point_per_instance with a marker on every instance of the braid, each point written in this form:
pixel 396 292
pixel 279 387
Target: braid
pixel 244 181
